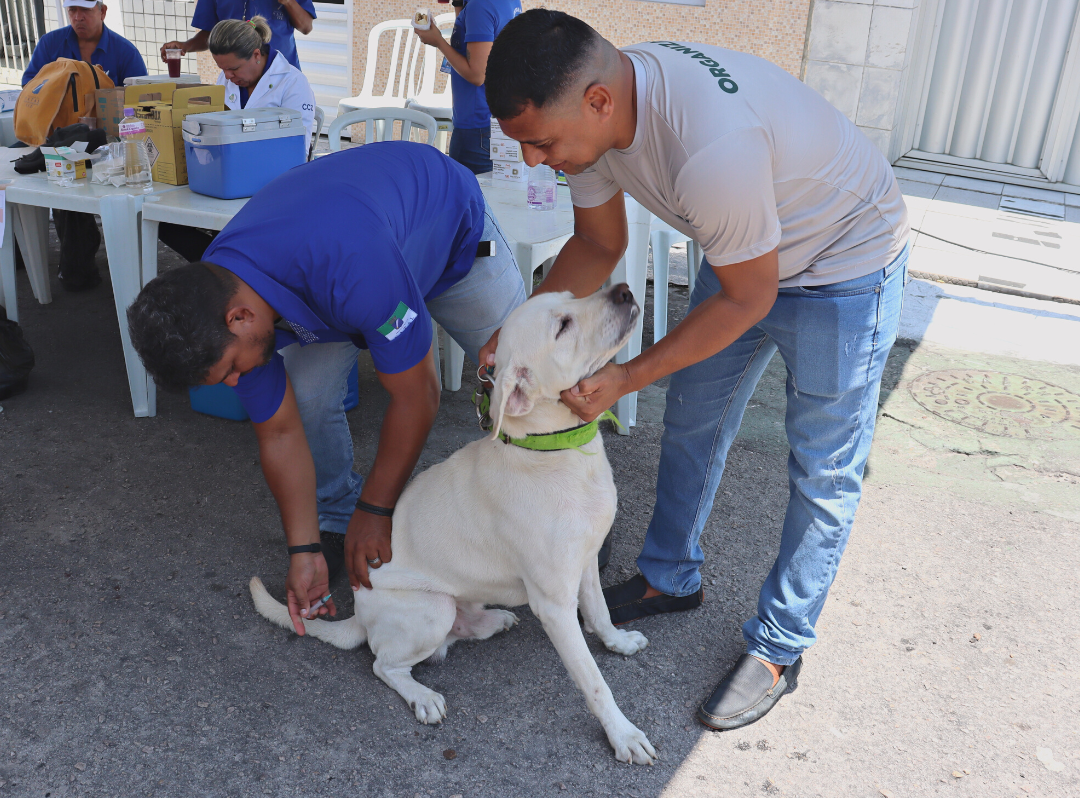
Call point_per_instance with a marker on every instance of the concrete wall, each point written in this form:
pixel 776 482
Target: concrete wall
pixel 859 57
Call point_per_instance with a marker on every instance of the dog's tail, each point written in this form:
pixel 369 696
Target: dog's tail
pixel 344 634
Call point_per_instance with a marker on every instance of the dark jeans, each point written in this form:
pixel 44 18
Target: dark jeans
pixel 471 147
pixel 189 242
pixel 79 241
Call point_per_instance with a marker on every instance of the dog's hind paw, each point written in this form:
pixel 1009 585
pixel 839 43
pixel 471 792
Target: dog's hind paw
pixel 628 643
pixel 429 708
pixel 633 747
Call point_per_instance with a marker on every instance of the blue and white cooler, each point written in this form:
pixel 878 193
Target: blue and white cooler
pixel 233 154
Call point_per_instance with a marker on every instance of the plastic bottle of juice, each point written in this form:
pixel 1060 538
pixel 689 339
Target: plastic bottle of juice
pixel 136 160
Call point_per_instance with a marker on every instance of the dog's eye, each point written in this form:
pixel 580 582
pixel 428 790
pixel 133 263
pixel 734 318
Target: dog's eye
pixel 563 324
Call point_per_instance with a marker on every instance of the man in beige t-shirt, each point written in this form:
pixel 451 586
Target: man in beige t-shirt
pixel 805 238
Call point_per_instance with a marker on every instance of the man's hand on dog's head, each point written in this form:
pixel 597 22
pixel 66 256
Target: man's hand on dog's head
pixel 308 581
pixel 367 545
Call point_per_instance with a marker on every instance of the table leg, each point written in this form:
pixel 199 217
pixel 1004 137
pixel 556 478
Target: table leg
pixel 149 272
pixel 435 350
pixel 455 362
pixel 120 223
pixel 7 270
pixel 32 224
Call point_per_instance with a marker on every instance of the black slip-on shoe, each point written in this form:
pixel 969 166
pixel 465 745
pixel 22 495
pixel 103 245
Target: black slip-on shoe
pixel 746 694
pixel 626 601
pixel 605 553
pixel 81 282
pixel 333 551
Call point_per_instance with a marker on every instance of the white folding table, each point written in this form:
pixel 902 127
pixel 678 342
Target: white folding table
pixel 29 199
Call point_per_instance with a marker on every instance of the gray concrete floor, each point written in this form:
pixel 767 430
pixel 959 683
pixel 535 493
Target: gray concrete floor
pixel 134 664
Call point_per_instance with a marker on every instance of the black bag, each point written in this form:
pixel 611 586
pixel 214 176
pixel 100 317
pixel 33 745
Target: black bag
pixel 62 137
pixel 16 358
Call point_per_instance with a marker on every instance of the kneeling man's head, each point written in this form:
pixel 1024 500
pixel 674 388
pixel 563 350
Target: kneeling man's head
pixel 200 325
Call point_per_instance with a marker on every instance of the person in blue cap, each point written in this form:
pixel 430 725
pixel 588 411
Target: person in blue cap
pixel 86 39
pixel 284 16
pixel 361 248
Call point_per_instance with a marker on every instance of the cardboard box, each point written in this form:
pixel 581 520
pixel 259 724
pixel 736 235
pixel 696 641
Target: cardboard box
pixel 66 161
pixel 110 103
pixel 515 173
pixel 505 150
pixel 163 119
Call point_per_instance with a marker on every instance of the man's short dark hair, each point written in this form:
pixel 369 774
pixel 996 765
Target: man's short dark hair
pixel 535 59
pixel 177 324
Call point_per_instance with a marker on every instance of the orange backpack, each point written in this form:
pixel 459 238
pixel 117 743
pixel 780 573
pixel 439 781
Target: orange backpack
pixel 57 97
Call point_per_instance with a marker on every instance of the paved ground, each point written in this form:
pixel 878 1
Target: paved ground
pixel 133 662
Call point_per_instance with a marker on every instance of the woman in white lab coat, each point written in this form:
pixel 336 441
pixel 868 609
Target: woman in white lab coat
pixel 254 76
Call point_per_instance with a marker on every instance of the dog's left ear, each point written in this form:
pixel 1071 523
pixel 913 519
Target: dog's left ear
pixel 512 395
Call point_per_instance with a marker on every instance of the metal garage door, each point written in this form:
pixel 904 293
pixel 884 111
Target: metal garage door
pixel 1001 89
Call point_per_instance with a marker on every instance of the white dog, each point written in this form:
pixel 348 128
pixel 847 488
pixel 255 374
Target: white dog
pixel 500 524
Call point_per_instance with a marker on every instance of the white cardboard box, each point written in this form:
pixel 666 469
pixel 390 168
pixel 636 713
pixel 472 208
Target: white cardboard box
pixel 509 172
pixel 504 150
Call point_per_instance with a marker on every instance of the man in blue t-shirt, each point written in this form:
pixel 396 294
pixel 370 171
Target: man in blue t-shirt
pixel 476 26
pixel 85 39
pixel 282 15
pixel 362 248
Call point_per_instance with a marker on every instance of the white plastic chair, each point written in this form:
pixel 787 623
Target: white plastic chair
pixel 320 118
pixel 402 80
pixel 631 270
pixel 437 104
pixel 661 237
pixel 375 125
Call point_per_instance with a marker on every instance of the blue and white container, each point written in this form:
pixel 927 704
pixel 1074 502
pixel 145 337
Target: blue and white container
pixel 233 154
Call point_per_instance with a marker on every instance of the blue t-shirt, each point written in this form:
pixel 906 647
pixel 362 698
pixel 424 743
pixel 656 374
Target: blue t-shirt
pixel 478 21
pixel 351 247
pixel 115 54
pixel 209 13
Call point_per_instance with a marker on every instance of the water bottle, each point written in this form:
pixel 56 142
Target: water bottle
pixel 540 194
pixel 136 160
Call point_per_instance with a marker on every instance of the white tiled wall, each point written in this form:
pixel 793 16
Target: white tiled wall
pixel 858 55
pixel 147 24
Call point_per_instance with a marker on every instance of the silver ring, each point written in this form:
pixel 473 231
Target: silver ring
pixel 376 561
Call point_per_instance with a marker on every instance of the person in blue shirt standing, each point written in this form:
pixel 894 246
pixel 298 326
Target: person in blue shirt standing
pixel 361 248
pixel 85 39
pixel 475 29
pixel 283 16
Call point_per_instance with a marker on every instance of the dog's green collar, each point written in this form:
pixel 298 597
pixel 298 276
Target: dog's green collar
pixel 573 438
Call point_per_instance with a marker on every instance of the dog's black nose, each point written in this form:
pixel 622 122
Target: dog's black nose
pixel 621 295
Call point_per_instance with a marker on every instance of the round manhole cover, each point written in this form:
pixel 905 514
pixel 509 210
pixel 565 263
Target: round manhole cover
pixel 1007 405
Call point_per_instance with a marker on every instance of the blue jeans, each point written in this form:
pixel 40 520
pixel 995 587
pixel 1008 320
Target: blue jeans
pixel 471 147
pixel 834 340
pixel 470 311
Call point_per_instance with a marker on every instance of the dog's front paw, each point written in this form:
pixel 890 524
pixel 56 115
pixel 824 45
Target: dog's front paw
pixel 429 708
pixel 628 643
pixel 632 746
